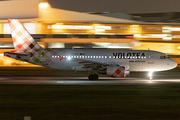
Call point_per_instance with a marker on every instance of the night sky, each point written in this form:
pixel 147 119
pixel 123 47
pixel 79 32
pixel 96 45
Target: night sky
pixel 126 6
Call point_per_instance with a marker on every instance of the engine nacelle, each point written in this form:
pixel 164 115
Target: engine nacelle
pixel 117 71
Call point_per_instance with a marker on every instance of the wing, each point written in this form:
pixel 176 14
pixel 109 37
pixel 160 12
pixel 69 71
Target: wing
pixel 92 64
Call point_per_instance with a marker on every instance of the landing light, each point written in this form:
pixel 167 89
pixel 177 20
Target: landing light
pixel 150 74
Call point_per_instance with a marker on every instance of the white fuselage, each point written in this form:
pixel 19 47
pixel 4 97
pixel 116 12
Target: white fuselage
pixel 133 60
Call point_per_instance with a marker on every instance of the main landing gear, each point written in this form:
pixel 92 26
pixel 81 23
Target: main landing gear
pixel 93 77
pixel 150 75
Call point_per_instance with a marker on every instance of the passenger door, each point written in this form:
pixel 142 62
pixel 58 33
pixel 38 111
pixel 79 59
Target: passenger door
pixel 151 59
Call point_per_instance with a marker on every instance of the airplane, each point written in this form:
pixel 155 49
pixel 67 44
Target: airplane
pixel 114 63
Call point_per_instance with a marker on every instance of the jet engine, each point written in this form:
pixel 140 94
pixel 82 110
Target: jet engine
pixel 117 71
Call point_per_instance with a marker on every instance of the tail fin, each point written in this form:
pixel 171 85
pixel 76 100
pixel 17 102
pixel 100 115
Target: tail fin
pixel 23 41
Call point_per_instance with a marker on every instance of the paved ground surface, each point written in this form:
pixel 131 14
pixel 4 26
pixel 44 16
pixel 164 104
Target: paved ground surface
pixel 34 75
pixel 84 81
pixel 44 93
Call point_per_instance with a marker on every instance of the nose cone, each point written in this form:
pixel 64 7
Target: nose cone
pixel 173 64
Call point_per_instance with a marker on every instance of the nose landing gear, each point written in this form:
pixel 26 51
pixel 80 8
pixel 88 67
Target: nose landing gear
pixel 93 77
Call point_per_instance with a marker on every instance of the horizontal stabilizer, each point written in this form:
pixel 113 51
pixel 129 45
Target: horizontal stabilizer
pixel 9 54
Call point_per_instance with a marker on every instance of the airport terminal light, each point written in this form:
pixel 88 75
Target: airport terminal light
pixel 98 28
pixel 167 38
pixel 43 5
pixel 170 29
pixel 135 29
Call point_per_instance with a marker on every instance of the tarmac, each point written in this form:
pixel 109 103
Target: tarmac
pixel 47 76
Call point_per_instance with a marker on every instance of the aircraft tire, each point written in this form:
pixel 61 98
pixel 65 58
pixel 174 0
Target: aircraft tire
pixel 96 76
pixel 91 77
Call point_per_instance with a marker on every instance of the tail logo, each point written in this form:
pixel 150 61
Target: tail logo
pixel 60 58
pixel 23 41
pixel 119 72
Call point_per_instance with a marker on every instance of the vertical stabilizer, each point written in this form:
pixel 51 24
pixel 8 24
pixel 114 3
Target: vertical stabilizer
pixel 23 41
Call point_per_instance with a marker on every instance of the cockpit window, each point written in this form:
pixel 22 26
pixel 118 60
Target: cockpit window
pixel 167 57
pixel 164 57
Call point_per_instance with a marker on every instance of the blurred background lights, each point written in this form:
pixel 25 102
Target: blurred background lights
pixel 43 5
pixel 135 28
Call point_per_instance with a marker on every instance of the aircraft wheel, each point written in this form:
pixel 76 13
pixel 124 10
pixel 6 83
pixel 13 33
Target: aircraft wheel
pixel 96 76
pixel 91 77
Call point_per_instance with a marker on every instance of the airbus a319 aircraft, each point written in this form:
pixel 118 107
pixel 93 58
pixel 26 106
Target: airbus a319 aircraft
pixel 114 63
